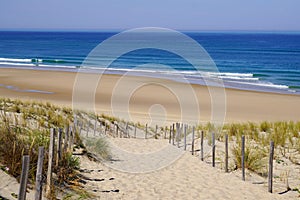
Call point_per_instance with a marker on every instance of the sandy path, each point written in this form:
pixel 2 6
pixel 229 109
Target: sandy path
pixel 9 186
pixel 186 178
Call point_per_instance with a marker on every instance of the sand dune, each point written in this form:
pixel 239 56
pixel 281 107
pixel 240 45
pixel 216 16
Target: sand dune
pixel 185 178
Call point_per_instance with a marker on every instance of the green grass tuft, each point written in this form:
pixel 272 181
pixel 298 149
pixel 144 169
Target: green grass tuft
pixel 98 146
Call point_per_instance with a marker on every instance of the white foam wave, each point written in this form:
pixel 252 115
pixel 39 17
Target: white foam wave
pixel 15 60
pixel 234 74
pixel 187 74
pixel 35 65
pixel 124 70
pixel 57 66
pixel 265 84
pixel 16 64
pixel 245 79
pixel 238 78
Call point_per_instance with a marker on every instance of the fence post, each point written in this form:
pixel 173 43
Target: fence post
pixel 193 140
pixel 121 131
pixel 88 127
pixel 270 174
pixel 201 146
pixel 100 127
pixel 105 128
pixel 177 133
pixel 50 159
pixel 146 131
pixel 95 127
pixel 74 131
pixel 59 144
pixel 81 123
pixel 170 135
pixel 226 153
pixel 66 141
pixel 127 129
pixel 213 149
pixel 181 130
pixel 71 139
pixel 243 158
pixel 134 130
pixel 39 175
pixel 87 133
pixel 185 127
pixel 24 178
pixel 173 134
pixel 75 120
pixel 117 132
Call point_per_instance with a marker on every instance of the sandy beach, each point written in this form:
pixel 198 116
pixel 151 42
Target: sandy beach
pixel 163 100
pixel 187 177
pixel 57 87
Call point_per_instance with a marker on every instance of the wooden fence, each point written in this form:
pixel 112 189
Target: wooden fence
pixel 180 133
pixel 64 143
pixel 54 157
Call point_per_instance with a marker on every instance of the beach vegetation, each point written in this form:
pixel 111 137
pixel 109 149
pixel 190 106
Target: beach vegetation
pixel 16 141
pixel 255 156
pixel 25 126
pixel 98 146
pixel 111 119
pixel 67 173
pixel 284 134
pixel 265 126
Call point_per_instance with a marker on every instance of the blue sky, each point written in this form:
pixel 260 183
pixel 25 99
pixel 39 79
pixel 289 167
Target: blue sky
pixel 268 15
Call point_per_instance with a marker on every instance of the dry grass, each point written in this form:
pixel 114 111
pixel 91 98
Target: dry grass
pixel 99 147
pixel 255 157
pixel 24 126
pixel 286 137
pixel 284 134
pixel 16 141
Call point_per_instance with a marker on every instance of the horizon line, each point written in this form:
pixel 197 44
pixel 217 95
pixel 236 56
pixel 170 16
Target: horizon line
pixel 120 30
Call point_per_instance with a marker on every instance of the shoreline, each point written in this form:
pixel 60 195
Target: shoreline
pixel 277 89
pixel 241 106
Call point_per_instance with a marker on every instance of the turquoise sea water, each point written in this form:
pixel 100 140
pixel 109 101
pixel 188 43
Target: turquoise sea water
pixel 249 61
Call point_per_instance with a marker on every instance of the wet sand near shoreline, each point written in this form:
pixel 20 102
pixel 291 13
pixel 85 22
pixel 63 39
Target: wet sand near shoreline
pixel 151 97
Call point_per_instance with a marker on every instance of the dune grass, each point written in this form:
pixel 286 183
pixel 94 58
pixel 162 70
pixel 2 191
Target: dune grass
pixel 255 157
pixel 24 126
pixel 16 141
pixel 99 147
pixel 286 136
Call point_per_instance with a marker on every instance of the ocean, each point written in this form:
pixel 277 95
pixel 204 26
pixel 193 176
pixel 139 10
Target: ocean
pixel 268 62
